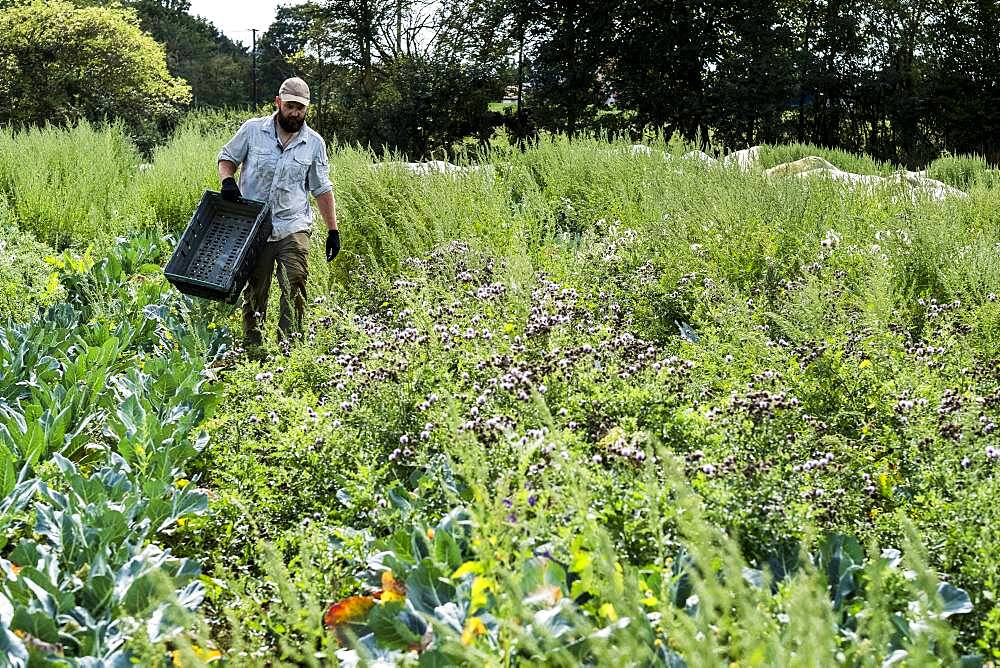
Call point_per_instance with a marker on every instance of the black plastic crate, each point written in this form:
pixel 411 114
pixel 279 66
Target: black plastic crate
pixel 219 247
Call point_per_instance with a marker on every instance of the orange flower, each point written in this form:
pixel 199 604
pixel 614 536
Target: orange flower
pixel 473 627
pixel 351 609
pixel 204 655
pixel 545 595
pixel 392 589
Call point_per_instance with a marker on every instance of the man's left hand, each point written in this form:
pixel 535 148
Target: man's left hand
pixel 332 244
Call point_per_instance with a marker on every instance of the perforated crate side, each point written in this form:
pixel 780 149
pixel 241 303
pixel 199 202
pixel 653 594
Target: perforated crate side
pixel 253 251
pixel 215 254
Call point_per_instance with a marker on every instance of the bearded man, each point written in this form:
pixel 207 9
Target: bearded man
pixel 281 161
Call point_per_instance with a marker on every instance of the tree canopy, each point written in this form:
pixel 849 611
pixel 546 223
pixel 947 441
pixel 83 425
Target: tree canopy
pixel 61 63
pixel 216 68
pixel 902 81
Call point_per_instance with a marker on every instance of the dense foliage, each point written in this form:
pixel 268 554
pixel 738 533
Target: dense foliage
pixel 217 69
pixel 583 404
pixel 900 81
pixel 100 403
pixel 62 64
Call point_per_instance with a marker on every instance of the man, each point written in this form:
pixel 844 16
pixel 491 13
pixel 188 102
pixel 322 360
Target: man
pixel 283 160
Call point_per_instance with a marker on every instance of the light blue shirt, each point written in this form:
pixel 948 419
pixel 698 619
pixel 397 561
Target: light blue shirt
pixel 282 177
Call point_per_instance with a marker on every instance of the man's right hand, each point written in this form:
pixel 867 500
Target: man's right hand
pixel 230 191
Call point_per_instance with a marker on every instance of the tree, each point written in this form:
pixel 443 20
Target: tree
pixel 660 62
pixel 62 64
pixel 282 44
pixel 404 74
pixel 749 87
pixel 963 77
pixel 425 102
pixel 216 68
pixel 568 54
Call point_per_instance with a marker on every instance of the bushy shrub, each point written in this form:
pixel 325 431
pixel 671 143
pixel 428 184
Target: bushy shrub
pixel 77 187
pixel 26 280
pixel 64 63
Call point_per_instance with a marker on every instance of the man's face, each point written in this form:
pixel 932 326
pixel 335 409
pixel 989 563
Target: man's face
pixel 291 115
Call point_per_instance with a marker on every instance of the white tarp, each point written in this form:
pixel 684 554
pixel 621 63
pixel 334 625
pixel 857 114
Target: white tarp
pixel 916 184
pixel 432 167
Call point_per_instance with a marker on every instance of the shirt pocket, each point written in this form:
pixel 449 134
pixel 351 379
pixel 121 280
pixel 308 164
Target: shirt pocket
pixel 262 161
pixel 298 167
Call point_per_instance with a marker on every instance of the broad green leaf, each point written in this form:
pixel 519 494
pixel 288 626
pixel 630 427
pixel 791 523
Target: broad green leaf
pixel 426 589
pixel 840 558
pixel 458 523
pixel 436 659
pixel 783 562
pixel 191 596
pixel 420 544
pixel 553 621
pixel 96 594
pixel 46 592
pixel 165 621
pixel 6 610
pixel 539 572
pixel 394 626
pixel 451 615
pixel 753 577
pixel 401 499
pixel 8 473
pixel 36 623
pixel 954 601
pixel 374 655
pixel 12 649
pixel 26 553
pixel 446 551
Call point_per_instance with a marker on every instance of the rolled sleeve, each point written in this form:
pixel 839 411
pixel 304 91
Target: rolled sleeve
pixel 319 173
pixel 235 151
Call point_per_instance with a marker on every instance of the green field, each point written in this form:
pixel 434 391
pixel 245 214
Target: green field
pixel 583 405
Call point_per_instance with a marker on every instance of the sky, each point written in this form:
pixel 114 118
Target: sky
pixel 235 18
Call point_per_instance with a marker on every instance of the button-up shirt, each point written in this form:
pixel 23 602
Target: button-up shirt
pixel 283 177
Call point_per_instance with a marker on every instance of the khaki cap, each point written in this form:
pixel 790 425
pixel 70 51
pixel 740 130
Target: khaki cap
pixel 294 90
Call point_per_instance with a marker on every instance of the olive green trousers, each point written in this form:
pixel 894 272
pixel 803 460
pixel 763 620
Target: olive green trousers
pixel 290 256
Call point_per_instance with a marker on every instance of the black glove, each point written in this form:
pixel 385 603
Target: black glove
pixel 332 244
pixel 230 191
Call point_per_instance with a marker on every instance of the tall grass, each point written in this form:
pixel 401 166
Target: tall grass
pixel 171 186
pixel 964 171
pixel 72 185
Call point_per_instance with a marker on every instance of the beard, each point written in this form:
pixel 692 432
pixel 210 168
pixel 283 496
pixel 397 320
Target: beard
pixel 289 124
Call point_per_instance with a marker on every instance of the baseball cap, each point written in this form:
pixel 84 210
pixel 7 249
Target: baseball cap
pixel 294 90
